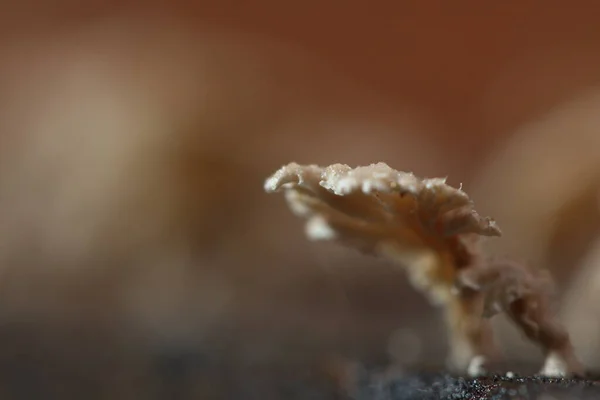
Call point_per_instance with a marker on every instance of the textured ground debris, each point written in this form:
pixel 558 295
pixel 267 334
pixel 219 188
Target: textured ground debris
pixel 433 231
pixel 435 386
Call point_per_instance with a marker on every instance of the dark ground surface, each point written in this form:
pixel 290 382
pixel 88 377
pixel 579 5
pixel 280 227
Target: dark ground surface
pixel 34 369
pixel 175 380
pixel 421 386
pixel 411 386
pixel 439 386
pixel 446 387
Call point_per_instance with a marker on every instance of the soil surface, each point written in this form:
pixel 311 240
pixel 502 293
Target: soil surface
pixel 30 373
pixel 446 387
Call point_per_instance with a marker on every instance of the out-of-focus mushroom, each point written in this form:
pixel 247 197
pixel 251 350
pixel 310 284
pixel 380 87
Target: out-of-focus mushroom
pixel 550 168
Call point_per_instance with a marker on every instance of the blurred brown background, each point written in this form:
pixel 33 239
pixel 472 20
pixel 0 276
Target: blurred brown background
pixel 137 248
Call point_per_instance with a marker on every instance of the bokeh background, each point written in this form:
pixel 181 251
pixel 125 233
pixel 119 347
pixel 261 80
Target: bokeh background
pixel 139 255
